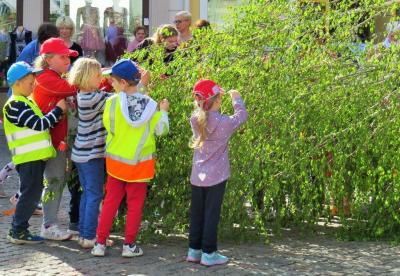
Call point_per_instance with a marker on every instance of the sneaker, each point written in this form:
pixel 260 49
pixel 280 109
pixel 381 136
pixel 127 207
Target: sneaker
pixel 14 200
pixel 24 237
pixel 38 212
pixel 5 172
pixel 88 243
pixel 80 241
pixel 2 192
pixel 194 255
pixel 54 233
pixel 73 228
pixel 131 250
pixel 213 259
pixel 98 250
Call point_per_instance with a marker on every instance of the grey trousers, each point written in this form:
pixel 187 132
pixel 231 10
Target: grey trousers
pixel 54 175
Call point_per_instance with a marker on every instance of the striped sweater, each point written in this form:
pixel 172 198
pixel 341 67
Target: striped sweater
pixel 90 138
pixel 21 115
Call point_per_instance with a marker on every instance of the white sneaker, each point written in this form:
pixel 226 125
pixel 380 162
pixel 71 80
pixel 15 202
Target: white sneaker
pixel 54 233
pixel 88 243
pixel 72 232
pixel 131 250
pixel 98 250
pixel 80 241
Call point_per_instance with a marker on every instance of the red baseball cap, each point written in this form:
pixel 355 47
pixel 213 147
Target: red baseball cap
pixel 56 46
pixel 205 89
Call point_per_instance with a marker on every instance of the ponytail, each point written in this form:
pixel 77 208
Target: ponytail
pixel 202 117
pixel 41 61
pixel 201 113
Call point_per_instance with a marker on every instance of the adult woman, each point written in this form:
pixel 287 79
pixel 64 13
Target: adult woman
pixel 31 51
pixel 166 35
pixel 140 34
pixel 66 27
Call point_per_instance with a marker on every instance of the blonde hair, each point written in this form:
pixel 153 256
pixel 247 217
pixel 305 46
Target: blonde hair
pixel 163 32
pixel 82 70
pixel 41 61
pixel 184 14
pixel 201 115
pixel 65 22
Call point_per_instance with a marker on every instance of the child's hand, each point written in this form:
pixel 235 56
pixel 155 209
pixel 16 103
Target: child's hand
pixel 164 105
pixel 63 105
pixel 145 77
pixel 234 94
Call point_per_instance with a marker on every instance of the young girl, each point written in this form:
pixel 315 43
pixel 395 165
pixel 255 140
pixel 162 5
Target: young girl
pixel 88 149
pixel 210 170
pixel 50 87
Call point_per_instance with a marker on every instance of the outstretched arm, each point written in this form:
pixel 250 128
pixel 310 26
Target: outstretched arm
pixel 21 115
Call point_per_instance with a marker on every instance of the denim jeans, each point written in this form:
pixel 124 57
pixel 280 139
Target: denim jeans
pixel 31 178
pixel 91 176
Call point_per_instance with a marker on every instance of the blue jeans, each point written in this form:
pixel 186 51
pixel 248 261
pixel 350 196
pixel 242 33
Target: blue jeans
pixel 31 179
pixel 91 176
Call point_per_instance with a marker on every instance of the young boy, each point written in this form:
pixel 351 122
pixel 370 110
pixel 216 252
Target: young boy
pixel 29 141
pixel 131 120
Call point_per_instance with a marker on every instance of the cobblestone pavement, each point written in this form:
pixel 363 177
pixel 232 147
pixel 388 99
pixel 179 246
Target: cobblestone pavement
pixel 287 256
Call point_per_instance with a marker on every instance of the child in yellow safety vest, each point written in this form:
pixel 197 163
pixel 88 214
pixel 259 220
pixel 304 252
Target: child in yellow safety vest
pixel 131 120
pixel 27 132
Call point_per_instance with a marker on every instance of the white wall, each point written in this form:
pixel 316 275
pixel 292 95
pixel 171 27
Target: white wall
pixel 174 7
pixel 163 11
pixel 33 15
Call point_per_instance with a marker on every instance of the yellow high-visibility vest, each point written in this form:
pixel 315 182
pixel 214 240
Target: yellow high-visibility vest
pixel 24 143
pixel 129 150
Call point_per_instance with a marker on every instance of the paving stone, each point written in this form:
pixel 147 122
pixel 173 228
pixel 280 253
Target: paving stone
pixel 317 255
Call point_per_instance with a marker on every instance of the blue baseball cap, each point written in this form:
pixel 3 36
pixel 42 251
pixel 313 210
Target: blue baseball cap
pixel 19 70
pixel 125 69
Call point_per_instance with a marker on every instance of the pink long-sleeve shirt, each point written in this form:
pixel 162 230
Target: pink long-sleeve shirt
pixel 211 162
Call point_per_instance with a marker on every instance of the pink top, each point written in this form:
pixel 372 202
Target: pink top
pixel 133 45
pixel 210 162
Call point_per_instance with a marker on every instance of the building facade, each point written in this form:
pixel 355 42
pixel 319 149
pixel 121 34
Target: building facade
pixel 105 18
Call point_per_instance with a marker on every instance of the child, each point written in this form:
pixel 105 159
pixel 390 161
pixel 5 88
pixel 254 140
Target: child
pixel 29 142
pixel 89 146
pixel 131 119
pixel 50 87
pixel 210 170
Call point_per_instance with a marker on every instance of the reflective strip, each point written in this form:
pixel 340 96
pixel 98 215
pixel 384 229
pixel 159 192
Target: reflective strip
pixel 22 134
pixel 143 140
pixel 129 161
pixel 139 148
pixel 112 115
pixel 31 147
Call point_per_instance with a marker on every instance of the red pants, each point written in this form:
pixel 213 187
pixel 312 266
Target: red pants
pixel 115 192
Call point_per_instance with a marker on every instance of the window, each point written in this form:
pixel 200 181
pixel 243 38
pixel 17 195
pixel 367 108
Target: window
pixel 102 28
